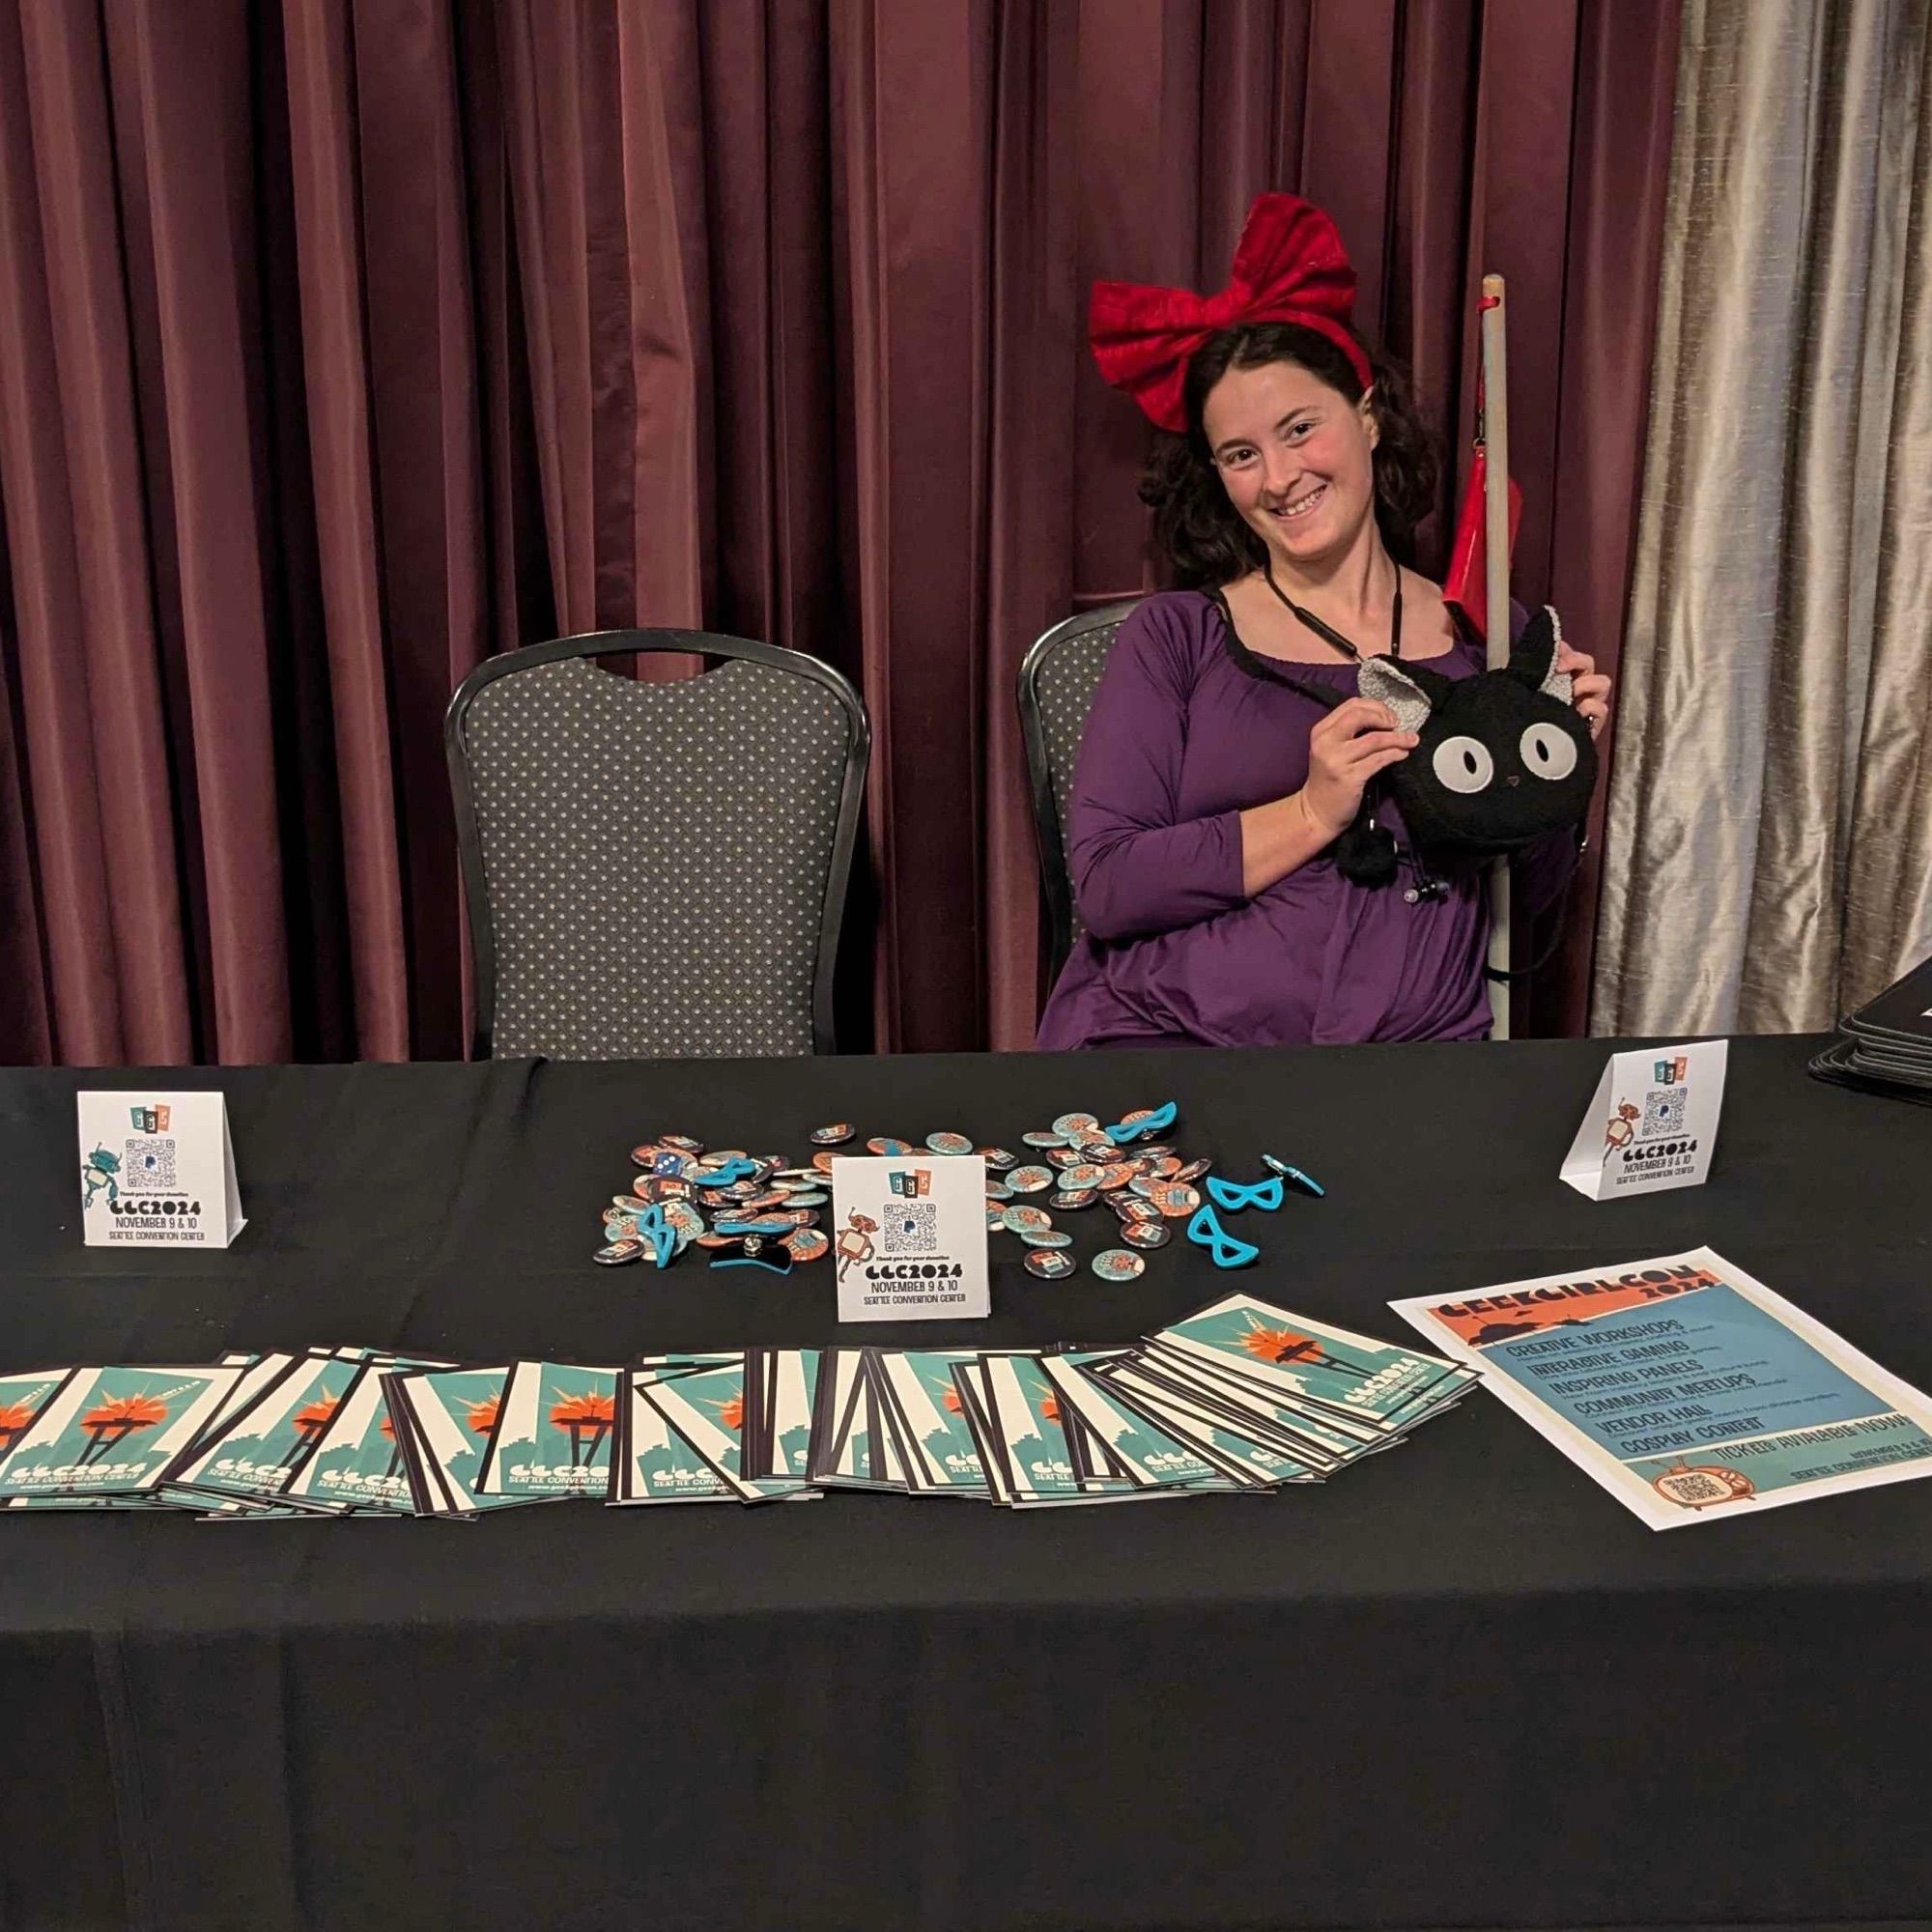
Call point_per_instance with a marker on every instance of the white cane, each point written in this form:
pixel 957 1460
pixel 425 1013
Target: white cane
pixel 1496 597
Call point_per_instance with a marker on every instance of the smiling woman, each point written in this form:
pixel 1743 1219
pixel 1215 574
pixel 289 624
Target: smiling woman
pixel 1289 410
pixel 1241 875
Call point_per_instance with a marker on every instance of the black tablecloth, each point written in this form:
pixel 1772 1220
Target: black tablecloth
pixel 1458 1686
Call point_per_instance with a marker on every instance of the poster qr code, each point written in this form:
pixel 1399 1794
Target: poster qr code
pixel 149 1164
pixel 1663 1110
pixel 1693 1488
pixel 912 1228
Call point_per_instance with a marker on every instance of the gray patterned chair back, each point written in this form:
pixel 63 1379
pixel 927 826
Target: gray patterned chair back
pixel 655 871
pixel 1057 680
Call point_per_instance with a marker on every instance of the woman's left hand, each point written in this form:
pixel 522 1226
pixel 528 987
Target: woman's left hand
pixel 1589 690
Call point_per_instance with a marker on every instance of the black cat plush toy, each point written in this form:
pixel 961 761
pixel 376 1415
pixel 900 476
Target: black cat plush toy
pixel 1503 758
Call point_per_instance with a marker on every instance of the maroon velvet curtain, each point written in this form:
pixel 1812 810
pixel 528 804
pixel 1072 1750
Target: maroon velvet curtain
pixel 343 342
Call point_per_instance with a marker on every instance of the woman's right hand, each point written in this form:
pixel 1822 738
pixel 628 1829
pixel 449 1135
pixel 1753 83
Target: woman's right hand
pixel 1346 749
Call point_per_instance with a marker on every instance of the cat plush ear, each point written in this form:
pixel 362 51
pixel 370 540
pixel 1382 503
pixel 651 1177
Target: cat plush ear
pixel 1410 690
pixel 1533 658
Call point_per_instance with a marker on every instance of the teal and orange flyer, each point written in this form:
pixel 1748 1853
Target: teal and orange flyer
pixel 851 1445
pixel 1370 1386
pixel 1214 1435
pixel 796 1384
pixel 21 1399
pixel 553 1435
pixel 1030 1435
pixel 450 1414
pixel 262 1446
pixel 656 1463
pixel 1152 1458
pixel 359 1459
pixel 106 1432
pixel 706 1408
pixel 935 1440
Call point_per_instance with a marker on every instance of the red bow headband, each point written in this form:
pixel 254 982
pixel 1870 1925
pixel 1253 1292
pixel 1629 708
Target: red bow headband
pixel 1289 267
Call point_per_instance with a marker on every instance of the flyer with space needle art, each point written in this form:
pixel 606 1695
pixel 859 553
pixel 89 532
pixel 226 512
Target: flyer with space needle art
pixel 1689 1390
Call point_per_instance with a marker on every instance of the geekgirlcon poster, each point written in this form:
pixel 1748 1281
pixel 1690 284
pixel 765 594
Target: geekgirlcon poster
pixel 1689 1390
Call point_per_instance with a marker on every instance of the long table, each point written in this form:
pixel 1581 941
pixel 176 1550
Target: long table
pixel 1457 1687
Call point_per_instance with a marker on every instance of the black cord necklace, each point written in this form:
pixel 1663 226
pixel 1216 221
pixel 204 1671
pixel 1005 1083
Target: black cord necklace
pixel 1326 632
pixel 1373 834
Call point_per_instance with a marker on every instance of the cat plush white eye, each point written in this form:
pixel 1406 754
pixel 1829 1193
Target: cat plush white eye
pixel 1548 752
pixel 1463 764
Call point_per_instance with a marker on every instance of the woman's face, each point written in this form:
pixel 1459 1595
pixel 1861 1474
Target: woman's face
pixel 1293 456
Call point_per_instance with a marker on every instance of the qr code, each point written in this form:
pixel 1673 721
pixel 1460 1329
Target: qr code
pixel 1693 1488
pixel 912 1228
pixel 1664 1111
pixel 149 1164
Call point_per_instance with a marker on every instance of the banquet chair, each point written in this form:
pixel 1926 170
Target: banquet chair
pixel 655 871
pixel 1058 679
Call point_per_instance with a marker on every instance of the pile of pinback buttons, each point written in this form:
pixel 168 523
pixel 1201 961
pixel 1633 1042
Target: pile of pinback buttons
pixel 761 1211
pixel 1076 1165
pixel 740 1208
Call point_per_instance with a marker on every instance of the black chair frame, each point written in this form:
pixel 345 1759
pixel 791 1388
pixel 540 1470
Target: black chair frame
pixel 1056 887
pixel 624 643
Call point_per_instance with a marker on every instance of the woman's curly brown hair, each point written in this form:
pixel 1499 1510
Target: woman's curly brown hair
pixel 1202 533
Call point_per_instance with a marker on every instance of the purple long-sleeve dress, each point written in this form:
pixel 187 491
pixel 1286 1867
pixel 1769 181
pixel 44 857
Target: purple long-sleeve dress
pixel 1188 728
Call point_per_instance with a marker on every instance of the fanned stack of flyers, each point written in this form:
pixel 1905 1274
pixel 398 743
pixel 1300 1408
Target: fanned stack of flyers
pixel 711 1428
pixel 476 1440
pixel 102 1438
pixel 1240 1395
pixel 255 1436
pixel 717 1428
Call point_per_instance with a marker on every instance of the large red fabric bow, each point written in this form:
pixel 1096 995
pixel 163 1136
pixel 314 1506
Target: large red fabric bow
pixel 1289 267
